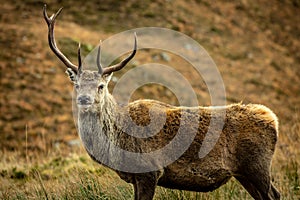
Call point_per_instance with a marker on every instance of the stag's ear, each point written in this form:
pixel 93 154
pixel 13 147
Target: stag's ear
pixel 107 77
pixel 72 75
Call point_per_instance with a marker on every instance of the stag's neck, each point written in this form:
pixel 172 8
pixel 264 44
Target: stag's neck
pixel 96 129
pixel 103 113
pixel 98 120
pixel 108 113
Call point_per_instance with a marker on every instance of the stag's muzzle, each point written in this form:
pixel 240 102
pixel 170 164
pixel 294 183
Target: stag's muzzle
pixel 84 100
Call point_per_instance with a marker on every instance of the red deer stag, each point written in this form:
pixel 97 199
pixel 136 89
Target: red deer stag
pixel 244 149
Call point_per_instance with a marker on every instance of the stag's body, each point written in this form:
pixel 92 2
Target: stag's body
pixel 243 150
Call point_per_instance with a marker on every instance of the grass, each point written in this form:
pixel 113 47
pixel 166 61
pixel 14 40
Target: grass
pixel 292 176
pixel 76 176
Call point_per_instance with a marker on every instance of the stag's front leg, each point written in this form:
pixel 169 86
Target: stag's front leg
pixel 144 186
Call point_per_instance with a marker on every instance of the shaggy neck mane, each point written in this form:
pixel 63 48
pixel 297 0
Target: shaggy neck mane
pixel 107 113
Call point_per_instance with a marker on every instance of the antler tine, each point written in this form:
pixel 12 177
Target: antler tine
pixel 123 63
pixel 100 68
pixel 51 39
pixel 79 59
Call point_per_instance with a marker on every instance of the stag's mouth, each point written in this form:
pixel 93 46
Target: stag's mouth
pixel 84 107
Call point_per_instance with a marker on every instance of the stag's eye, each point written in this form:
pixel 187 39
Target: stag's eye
pixel 100 87
pixel 76 86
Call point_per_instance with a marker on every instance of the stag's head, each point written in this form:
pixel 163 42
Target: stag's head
pixel 91 86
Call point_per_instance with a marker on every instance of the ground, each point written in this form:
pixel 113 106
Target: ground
pixel 255 45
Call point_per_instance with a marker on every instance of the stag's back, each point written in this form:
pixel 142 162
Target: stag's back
pixel 254 124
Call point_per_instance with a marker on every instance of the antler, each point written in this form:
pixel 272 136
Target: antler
pixel 79 60
pixel 51 39
pixel 100 68
pixel 118 66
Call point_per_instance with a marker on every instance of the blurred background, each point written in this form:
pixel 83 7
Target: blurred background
pixel 255 45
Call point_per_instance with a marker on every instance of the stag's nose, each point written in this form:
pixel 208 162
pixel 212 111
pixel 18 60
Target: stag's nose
pixel 84 100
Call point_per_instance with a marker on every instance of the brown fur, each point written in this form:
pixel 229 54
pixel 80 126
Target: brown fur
pixel 244 149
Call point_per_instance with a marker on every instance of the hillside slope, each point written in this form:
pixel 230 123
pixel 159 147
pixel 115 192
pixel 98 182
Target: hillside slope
pixel 255 45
